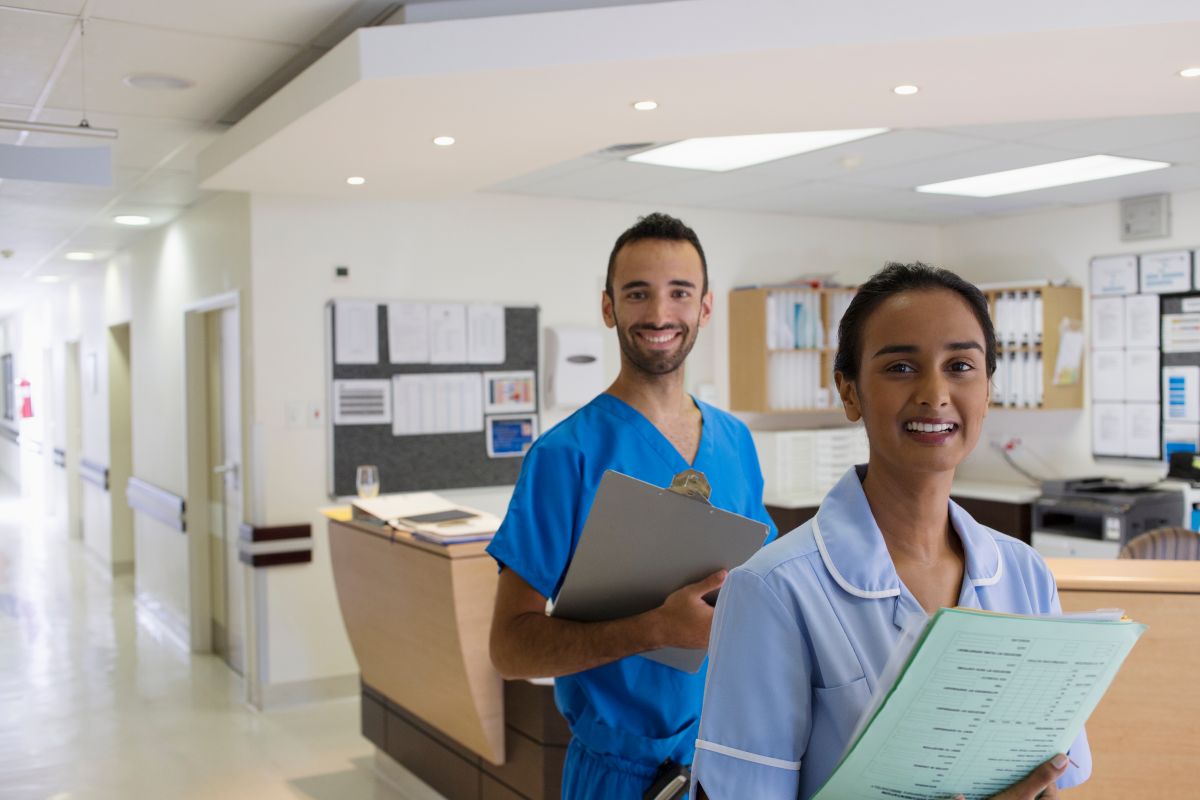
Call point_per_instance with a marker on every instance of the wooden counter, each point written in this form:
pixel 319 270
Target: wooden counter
pixel 418 616
pixel 1145 734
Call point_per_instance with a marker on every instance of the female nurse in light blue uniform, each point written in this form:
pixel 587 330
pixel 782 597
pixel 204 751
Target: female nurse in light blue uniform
pixel 803 630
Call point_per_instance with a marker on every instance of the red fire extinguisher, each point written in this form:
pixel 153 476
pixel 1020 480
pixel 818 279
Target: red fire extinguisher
pixel 26 396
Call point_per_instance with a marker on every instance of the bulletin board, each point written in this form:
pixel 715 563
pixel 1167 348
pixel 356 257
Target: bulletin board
pixel 412 460
pixel 1145 354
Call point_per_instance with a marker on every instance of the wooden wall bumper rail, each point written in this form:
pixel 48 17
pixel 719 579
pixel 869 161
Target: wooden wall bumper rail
pixel 94 473
pixel 276 545
pixel 166 507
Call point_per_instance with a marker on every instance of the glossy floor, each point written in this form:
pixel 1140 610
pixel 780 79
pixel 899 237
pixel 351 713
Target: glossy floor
pixel 97 702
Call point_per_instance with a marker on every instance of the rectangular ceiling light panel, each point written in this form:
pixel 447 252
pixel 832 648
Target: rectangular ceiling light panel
pixel 1043 176
pixel 723 153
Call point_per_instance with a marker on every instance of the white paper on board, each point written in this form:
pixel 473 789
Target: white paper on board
pixel 485 334
pixel 449 402
pixel 356 332
pixel 1141 376
pixel 1165 273
pixel 408 333
pixel 1141 320
pixel 362 402
pixel 1108 375
pixel 447 333
pixel 1108 322
pixel 1108 429
pixel 1114 275
pixel 1181 333
pixel 1141 430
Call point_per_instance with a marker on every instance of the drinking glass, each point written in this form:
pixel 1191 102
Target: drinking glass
pixel 366 480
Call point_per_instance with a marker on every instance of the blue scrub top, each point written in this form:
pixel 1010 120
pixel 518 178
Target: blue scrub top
pixel 633 708
pixel 803 629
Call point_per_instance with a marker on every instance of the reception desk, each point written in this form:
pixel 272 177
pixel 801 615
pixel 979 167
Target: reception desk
pixel 1145 734
pixel 418 616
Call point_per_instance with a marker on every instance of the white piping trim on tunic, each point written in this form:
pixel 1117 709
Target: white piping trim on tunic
pixel 837 576
pixel 999 568
pixel 766 761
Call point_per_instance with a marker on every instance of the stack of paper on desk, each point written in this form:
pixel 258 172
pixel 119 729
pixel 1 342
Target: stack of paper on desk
pixel 982 700
pixel 429 516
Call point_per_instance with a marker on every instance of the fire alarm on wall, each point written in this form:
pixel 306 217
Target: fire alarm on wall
pixel 341 273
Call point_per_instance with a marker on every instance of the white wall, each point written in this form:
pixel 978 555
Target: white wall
pixel 507 249
pixel 1055 244
pixel 202 254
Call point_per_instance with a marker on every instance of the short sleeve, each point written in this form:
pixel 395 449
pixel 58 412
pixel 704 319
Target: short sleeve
pixel 756 718
pixel 536 538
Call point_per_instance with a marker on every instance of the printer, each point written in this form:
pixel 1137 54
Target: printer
pixel 1095 517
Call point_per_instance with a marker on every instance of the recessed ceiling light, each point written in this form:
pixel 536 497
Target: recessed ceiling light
pixel 906 88
pixel 1190 72
pixel 131 219
pixel 356 181
pixel 645 105
pixel 723 153
pixel 80 255
pixel 1043 176
pixel 157 82
pixel 443 141
pixel 48 279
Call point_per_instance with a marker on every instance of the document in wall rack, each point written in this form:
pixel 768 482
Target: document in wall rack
pixel 642 542
pixel 982 700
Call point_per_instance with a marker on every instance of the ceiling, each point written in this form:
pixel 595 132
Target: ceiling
pixel 532 98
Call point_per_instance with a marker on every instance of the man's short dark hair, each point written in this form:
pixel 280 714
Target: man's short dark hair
pixel 656 226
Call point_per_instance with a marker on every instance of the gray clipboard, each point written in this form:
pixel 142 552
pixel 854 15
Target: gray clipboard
pixel 640 543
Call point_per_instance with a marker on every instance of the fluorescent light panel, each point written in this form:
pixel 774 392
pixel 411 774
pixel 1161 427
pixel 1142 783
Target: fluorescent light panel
pixel 1043 176
pixel 723 153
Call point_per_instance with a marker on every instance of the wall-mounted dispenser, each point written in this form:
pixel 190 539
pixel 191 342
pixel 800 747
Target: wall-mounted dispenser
pixel 574 365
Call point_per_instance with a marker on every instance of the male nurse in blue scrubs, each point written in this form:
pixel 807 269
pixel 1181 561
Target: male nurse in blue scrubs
pixel 629 715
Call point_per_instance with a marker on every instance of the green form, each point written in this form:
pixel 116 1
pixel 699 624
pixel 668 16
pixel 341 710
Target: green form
pixel 983 699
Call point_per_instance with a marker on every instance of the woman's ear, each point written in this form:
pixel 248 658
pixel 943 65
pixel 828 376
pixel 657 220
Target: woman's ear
pixel 848 391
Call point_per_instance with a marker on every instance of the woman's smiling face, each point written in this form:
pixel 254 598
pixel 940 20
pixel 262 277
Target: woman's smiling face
pixel 922 389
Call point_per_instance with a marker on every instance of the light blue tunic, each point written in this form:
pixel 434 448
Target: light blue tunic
pixel 630 715
pixel 804 628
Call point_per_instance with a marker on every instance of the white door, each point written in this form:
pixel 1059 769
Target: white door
pixel 226 518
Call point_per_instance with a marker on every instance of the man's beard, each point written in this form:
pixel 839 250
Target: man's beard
pixel 654 362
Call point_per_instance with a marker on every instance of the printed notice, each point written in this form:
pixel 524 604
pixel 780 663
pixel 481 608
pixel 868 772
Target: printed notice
pixel 408 333
pixel 485 334
pixel 1114 275
pixel 1108 322
pixel 1181 333
pixel 1164 273
pixel 1181 394
pixel 355 332
pixel 449 402
pixel 448 333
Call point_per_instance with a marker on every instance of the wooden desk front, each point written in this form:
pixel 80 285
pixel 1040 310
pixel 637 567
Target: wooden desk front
pixel 1145 734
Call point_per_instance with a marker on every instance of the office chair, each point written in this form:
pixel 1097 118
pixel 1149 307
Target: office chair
pixel 1178 544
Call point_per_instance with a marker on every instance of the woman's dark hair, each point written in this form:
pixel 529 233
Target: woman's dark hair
pixel 893 279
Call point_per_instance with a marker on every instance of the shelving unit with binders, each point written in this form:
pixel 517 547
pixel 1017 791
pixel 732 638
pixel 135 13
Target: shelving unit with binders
pixel 1028 321
pixel 781 345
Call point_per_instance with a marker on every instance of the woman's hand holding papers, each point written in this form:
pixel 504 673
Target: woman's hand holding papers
pixel 1037 785
pixel 685 617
